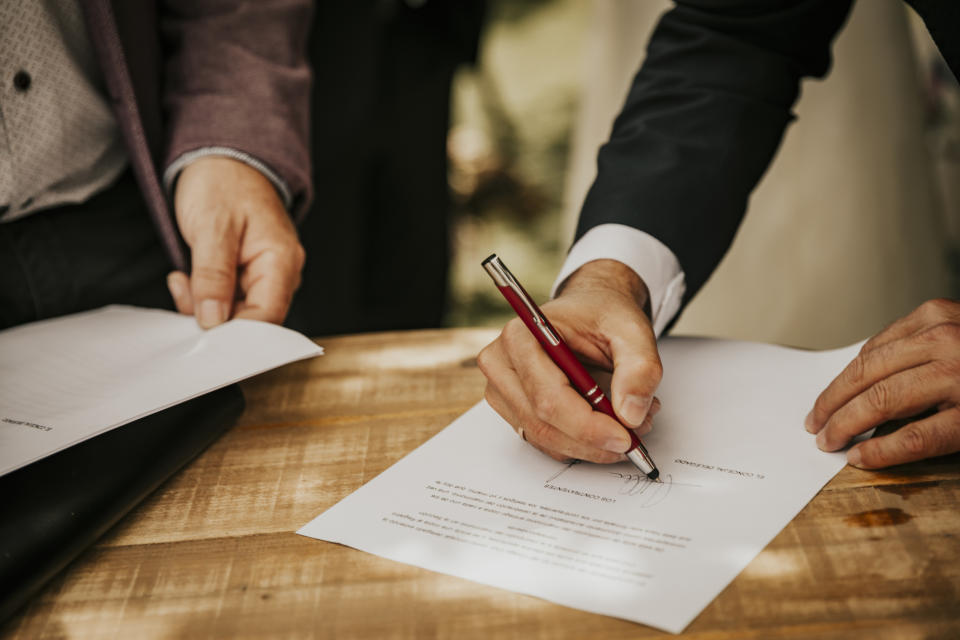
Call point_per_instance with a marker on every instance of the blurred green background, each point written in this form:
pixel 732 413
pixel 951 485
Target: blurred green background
pixel 511 125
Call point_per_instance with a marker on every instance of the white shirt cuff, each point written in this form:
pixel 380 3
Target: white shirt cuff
pixel 656 265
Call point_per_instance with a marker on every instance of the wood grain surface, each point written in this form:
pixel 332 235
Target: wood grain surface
pixel 213 553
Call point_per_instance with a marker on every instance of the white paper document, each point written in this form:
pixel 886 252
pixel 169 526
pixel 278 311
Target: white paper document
pixel 68 379
pixel 477 502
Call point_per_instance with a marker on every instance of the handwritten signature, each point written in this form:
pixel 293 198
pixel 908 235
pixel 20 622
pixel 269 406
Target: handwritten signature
pixel 637 484
pixel 648 492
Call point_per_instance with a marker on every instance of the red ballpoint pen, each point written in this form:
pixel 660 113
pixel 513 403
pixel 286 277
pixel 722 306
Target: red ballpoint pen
pixel 549 338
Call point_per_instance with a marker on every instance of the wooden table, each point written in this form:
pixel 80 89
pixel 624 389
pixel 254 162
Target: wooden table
pixel 213 553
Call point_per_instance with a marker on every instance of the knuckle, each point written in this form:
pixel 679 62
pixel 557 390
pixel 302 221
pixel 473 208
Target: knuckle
pixel 591 435
pixel 948 368
pixel 943 332
pixel 869 345
pixel 652 369
pixel 544 405
pixel 512 331
pixel 212 281
pixel 873 456
pixel 937 308
pixel 881 397
pixel 538 431
pixel 219 274
pixel 916 441
pixel 485 360
pixel 856 370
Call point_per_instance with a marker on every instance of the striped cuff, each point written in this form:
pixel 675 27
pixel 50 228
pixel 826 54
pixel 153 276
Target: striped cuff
pixel 173 171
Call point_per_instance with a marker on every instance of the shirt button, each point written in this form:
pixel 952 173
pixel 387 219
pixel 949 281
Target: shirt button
pixel 22 80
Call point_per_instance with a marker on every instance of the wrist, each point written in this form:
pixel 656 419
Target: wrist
pixel 609 275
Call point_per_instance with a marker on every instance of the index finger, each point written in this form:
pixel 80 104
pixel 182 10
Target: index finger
pixel 866 369
pixel 267 286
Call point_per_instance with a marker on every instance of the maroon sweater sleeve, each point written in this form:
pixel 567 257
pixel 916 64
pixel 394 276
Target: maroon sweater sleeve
pixel 235 75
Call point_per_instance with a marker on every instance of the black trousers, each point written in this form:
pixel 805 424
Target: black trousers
pixel 376 238
pixel 80 257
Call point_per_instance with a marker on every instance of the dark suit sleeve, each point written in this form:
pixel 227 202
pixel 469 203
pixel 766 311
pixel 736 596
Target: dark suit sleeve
pixel 235 75
pixel 703 119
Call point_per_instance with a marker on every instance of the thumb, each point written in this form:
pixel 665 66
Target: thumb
pixel 636 364
pixel 214 274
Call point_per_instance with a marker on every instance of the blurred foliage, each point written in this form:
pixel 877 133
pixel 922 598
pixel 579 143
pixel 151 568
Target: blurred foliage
pixel 508 146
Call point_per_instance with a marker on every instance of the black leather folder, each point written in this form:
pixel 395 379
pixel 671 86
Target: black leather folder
pixel 53 509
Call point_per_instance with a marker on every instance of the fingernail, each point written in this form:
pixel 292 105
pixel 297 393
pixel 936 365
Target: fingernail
pixel 617 445
pixel 808 423
pixel 822 440
pixel 853 457
pixel 634 409
pixel 211 313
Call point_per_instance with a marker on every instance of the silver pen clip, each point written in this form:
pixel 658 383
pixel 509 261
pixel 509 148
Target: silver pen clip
pixel 503 278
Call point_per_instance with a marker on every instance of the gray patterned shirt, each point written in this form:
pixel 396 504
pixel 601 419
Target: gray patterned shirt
pixel 59 140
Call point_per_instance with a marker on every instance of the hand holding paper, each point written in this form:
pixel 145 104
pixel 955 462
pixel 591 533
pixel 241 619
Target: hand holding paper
pixel 246 258
pixel 911 366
